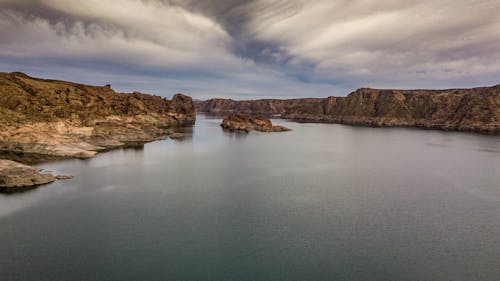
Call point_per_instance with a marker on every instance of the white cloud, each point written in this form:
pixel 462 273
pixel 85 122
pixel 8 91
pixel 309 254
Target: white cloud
pixel 135 32
pixel 397 44
pixel 386 42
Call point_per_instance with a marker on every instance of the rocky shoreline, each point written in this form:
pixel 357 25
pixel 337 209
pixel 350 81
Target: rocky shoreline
pixel 43 120
pixel 14 175
pixel 470 110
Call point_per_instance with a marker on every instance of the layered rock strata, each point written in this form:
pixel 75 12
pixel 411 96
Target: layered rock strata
pixel 473 110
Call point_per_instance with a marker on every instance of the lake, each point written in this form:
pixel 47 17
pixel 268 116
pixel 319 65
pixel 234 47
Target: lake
pixel 321 202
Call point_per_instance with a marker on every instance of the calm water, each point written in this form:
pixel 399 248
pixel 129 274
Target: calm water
pixel 322 202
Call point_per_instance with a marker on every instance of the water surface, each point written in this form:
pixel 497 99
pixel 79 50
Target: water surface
pixel 322 202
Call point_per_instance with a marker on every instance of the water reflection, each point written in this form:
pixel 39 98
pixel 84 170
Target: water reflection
pixel 321 202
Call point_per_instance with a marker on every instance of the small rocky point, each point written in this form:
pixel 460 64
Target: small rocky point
pixel 245 123
pixel 16 175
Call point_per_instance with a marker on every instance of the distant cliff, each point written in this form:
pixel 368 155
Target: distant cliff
pixel 43 118
pixel 474 110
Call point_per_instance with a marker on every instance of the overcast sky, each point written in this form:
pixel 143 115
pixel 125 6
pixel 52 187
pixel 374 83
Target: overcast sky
pixel 252 49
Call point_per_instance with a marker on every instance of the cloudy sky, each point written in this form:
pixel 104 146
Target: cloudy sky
pixel 251 49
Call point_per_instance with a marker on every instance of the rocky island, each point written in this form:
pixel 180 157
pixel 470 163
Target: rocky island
pixel 245 123
pixel 44 119
pixel 471 110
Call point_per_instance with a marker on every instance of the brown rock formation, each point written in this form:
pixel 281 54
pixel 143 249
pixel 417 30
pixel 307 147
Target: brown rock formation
pixel 475 110
pixel 176 136
pixel 16 175
pixel 23 98
pixel 244 123
pixel 264 106
pixel 42 119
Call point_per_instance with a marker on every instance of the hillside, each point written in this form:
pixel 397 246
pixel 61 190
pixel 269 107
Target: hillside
pixel 43 118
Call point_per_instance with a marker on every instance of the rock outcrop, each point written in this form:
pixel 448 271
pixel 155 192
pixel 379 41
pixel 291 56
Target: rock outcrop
pixel 473 110
pixel 16 175
pixel 244 123
pixel 177 136
pixel 45 119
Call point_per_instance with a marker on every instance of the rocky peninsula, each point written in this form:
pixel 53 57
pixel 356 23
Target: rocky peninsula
pixel 44 119
pixel 245 123
pixel 471 110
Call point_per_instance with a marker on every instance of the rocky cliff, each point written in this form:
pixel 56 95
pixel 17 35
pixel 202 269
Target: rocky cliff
pixel 42 119
pixel 475 110
pixel 305 106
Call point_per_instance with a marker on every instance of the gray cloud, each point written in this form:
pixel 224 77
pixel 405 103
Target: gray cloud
pixel 254 48
pixel 390 42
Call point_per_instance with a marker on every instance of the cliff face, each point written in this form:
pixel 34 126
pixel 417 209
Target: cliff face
pixel 42 119
pixel 265 106
pixel 476 110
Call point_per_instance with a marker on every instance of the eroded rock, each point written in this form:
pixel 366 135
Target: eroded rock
pixel 14 175
pixel 176 136
pixel 245 123
pixel 48 119
pixel 474 110
pixel 57 119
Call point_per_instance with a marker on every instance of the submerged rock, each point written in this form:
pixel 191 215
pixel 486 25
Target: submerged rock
pixel 245 123
pixel 14 175
pixel 63 177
